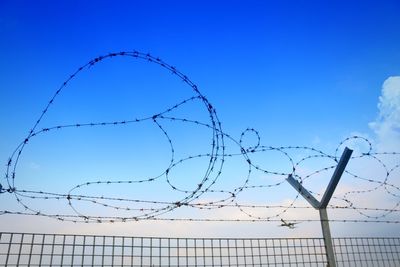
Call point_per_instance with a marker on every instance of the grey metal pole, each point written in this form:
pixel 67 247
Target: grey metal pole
pixel 326 233
pixel 323 215
pixel 321 205
pixel 344 159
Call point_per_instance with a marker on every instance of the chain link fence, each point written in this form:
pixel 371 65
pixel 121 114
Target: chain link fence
pixel 26 249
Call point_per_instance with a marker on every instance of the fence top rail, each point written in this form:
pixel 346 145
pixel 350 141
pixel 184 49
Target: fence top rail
pixel 200 238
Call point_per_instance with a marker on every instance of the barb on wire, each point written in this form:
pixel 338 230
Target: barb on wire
pixel 206 192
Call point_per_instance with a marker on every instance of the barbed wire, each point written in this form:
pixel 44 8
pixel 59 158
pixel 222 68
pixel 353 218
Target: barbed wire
pixel 197 198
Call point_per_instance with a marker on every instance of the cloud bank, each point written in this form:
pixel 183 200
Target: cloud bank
pixel 387 125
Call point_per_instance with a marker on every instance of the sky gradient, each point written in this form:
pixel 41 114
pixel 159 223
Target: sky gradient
pixel 307 74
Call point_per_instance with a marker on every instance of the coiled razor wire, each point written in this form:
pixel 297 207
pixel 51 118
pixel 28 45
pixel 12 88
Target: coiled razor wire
pixel 138 209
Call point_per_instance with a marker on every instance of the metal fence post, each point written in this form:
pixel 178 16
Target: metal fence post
pixel 326 233
pixel 321 205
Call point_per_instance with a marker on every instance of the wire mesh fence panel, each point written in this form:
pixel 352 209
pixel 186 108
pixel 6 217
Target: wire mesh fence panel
pixel 367 251
pixel 27 249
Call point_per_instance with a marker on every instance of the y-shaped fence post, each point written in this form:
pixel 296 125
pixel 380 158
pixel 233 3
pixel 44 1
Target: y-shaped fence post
pixel 321 206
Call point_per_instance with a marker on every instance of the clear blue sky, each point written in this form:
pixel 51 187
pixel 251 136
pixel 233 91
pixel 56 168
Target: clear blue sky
pixel 289 58
pixel 300 72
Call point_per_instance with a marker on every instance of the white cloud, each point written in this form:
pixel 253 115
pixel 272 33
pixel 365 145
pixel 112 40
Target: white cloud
pixel 387 125
pixel 386 129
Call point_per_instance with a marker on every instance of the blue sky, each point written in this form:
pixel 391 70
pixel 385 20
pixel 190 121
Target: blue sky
pixel 307 73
